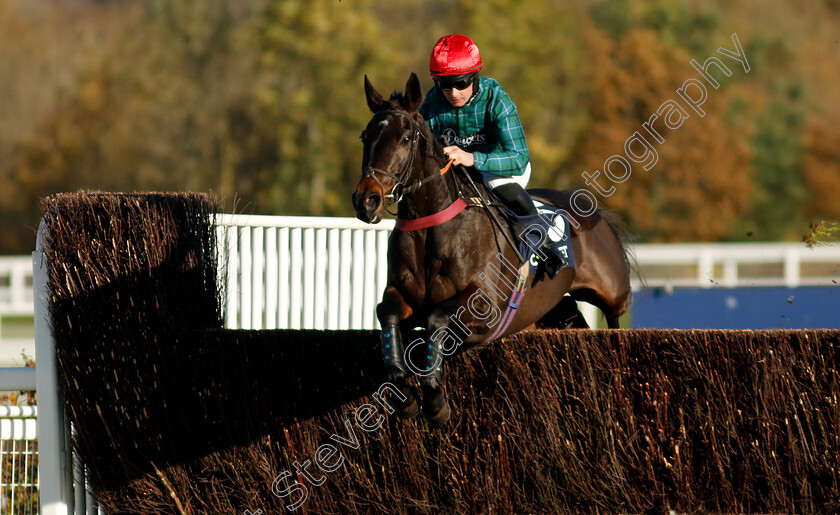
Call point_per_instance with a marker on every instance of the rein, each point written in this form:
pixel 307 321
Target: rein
pixel 400 190
pixel 417 184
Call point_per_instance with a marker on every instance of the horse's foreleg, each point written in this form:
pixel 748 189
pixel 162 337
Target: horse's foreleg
pixel 390 312
pixel 446 332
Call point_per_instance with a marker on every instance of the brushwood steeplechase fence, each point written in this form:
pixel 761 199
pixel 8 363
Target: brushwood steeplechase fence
pixel 303 273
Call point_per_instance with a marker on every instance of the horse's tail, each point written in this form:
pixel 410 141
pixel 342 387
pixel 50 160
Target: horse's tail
pixel 624 239
pixel 562 199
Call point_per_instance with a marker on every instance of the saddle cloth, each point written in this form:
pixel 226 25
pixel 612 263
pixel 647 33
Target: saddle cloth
pixel 549 226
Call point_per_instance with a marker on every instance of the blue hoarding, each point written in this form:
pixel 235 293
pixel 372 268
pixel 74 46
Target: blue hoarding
pixel 737 308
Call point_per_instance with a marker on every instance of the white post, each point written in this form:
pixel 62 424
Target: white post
pixel 79 483
pixel 730 272
pixel 284 261
pixel 334 293
pixel 381 268
pixel 369 283
pixel 308 276
pixel 345 277
pixel 706 268
pixel 246 269
pixel 53 462
pixel 231 270
pixel 358 280
pixel 296 279
pixel 792 268
pixel 320 258
pixel 271 281
pixel 257 278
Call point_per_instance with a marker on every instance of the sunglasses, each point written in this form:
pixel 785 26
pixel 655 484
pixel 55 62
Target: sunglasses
pixel 459 83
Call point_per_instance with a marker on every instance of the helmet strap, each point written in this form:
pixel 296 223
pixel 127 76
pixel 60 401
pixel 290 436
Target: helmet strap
pixel 474 87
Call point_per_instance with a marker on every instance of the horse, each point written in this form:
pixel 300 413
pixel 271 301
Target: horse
pixel 450 275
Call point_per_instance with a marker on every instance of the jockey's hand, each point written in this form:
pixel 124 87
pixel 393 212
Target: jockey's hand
pixel 460 156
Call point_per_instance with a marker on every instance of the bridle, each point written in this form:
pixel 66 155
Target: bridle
pixel 400 189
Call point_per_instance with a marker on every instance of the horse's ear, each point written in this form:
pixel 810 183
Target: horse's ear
pixel 413 93
pixel 374 99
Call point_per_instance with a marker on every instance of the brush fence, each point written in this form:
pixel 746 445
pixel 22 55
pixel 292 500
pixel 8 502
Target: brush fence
pixel 276 272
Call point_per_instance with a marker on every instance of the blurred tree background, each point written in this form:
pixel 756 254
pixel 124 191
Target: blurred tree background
pixel 262 102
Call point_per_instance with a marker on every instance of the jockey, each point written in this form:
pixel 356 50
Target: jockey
pixel 480 128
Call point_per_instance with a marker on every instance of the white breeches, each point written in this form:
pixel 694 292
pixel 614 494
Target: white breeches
pixel 493 181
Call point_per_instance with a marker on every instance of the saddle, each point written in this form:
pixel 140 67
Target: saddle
pixel 538 236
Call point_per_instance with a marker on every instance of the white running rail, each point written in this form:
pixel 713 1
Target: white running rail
pixel 282 272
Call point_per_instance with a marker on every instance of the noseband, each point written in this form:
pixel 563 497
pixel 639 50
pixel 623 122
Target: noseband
pixel 399 190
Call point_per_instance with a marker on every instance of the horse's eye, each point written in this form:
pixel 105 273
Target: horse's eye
pixel 406 139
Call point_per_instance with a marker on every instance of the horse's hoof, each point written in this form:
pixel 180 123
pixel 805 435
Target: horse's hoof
pixel 436 409
pixel 410 407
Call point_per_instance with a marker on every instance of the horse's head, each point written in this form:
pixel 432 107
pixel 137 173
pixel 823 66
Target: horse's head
pixel 392 153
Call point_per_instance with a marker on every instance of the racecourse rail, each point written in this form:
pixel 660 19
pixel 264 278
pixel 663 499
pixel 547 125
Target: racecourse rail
pixel 328 273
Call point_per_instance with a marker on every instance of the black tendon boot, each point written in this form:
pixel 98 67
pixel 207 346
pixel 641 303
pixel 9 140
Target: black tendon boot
pixel 520 202
pixel 392 354
pixel 435 405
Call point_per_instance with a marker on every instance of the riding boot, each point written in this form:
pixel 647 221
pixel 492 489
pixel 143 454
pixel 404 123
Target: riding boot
pixel 520 202
pixel 435 405
pixel 392 353
pixel 516 198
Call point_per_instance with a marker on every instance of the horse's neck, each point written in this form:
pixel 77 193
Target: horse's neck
pixel 435 196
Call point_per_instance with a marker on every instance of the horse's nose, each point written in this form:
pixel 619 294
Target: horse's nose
pixel 367 206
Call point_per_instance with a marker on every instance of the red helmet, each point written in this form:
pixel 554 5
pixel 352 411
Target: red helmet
pixel 454 55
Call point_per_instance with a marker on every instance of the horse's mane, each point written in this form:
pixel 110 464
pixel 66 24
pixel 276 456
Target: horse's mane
pixel 397 102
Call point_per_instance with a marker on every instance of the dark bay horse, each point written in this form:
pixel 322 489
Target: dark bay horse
pixel 452 282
